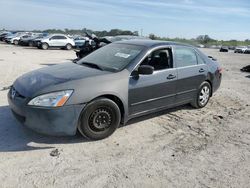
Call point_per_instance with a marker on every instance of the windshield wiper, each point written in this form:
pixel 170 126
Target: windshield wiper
pixel 92 65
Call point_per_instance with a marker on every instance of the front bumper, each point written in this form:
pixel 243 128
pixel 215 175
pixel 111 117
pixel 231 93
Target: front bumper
pixel 60 121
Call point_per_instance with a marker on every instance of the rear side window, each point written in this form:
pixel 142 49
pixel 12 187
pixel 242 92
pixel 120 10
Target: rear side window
pixel 185 57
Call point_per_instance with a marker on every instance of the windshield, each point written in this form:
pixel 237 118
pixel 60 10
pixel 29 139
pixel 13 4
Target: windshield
pixel 113 57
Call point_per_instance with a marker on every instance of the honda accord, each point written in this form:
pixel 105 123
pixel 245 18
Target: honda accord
pixel 112 85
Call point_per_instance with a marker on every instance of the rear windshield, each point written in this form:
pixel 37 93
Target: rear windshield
pixel 113 56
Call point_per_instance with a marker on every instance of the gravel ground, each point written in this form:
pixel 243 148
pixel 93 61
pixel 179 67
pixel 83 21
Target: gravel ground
pixel 180 147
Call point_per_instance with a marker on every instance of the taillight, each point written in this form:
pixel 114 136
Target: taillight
pixel 220 70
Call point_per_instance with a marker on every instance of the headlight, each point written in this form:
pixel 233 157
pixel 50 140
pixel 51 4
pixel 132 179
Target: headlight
pixel 55 99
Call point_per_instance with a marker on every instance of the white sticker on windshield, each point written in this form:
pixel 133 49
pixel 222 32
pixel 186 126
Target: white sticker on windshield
pixel 122 55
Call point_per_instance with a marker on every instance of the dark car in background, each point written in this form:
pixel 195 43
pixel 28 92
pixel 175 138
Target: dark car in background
pixel 247 51
pixel 3 35
pixel 7 35
pixel 30 40
pixel 224 49
pixel 80 41
pixel 113 84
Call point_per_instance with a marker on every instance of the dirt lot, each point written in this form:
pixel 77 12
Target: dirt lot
pixel 181 147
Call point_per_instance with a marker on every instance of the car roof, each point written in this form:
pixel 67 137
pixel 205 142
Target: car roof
pixel 57 34
pixel 152 43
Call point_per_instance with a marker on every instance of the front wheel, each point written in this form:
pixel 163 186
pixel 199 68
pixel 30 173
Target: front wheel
pixel 15 42
pixel 31 44
pixel 45 46
pixel 203 95
pixel 99 119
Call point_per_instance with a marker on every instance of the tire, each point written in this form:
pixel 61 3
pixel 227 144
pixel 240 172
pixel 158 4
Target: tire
pixel 203 95
pixel 15 42
pixel 99 119
pixel 68 47
pixel 45 46
pixel 31 44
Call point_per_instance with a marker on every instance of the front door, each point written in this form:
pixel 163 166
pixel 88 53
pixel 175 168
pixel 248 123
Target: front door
pixel 155 91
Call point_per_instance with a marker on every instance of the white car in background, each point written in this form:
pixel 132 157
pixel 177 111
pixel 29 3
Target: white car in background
pixel 240 49
pixel 10 37
pixel 56 41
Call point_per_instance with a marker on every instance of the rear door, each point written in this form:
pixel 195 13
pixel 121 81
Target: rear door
pixel 191 71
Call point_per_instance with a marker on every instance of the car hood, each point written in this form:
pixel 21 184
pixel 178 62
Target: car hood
pixel 31 83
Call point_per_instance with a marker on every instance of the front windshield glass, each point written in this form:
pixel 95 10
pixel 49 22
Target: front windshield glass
pixel 113 57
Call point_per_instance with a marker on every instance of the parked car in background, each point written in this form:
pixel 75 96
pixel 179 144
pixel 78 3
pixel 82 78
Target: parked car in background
pixel 200 45
pixel 247 51
pixel 224 49
pixel 30 40
pixel 80 41
pixel 112 85
pixel 4 34
pixel 240 49
pixel 8 36
pixel 231 47
pixel 95 43
pixel 56 41
pixel 15 40
pixel 124 37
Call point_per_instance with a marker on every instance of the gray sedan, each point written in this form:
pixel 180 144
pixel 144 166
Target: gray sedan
pixel 118 82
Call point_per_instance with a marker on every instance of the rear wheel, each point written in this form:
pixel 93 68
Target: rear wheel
pixel 45 46
pixel 68 47
pixel 99 119
pixel 202 96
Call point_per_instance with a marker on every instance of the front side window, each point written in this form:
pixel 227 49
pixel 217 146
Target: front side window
pixel 159 59
pixel 53 38
pixel 185 57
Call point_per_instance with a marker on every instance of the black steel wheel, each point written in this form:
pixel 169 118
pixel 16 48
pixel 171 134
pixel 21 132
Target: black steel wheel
pixel 99 119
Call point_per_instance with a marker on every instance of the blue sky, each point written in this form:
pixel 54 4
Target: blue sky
pixel 220 19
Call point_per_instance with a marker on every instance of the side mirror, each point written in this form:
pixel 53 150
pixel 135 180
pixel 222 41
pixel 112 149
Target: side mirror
pixel 145 70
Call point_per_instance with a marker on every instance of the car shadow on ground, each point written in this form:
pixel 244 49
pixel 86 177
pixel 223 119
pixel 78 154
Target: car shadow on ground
pixel 16 137
pixel 48 64
pixel 248 76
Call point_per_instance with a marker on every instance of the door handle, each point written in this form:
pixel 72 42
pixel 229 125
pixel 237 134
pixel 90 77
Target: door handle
pixel 171 76
pixel 201 70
